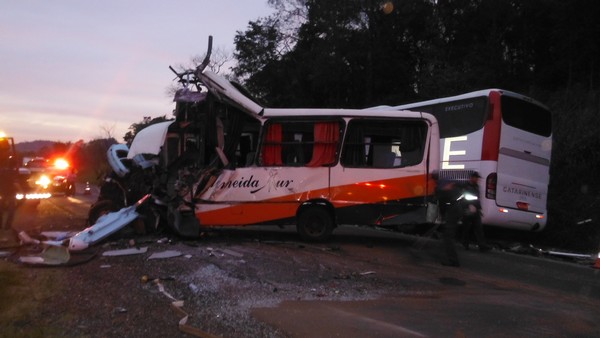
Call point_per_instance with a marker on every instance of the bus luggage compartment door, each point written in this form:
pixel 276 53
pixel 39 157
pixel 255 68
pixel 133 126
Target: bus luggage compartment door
pixel 522 181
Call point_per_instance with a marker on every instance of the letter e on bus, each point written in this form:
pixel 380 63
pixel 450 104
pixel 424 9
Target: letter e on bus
pixel 446 153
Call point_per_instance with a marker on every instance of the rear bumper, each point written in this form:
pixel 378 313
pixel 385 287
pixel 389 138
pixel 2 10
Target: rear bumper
pixel 512 218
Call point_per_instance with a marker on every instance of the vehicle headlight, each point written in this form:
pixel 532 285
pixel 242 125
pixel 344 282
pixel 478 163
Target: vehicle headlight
pixel 43 181
pixel 467 197
pixel 470 197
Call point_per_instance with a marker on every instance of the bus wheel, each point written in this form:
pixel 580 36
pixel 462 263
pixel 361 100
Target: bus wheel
pixel 101 208
pixel 315 224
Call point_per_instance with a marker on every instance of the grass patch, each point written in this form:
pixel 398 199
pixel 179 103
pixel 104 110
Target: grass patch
pixel 24 293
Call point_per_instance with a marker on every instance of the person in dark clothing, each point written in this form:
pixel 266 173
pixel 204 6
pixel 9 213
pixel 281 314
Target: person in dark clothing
pixel 8 203
pixel 471 219
pixel 448 194
pixel 8 187
pixel 452 216
pixel 457 209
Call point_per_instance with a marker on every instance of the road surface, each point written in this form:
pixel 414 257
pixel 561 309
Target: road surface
pixel 263 281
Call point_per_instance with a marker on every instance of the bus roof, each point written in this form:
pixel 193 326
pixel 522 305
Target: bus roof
pixel 315 112
pixel 483 92
pixel 227 93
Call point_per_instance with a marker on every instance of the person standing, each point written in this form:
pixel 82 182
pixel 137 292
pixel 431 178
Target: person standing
pixel 448 193
pixel 471 219
pixel 7 201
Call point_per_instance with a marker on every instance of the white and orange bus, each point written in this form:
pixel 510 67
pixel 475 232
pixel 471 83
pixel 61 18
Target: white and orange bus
pixel 507 138
pixel 228 161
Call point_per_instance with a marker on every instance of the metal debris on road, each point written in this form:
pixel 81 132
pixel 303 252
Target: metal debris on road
pixel 165 254
pixel 125 252
pixel 52 255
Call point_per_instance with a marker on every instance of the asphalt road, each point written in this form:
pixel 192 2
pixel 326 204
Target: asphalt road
pixel 367 283
pixel 497 294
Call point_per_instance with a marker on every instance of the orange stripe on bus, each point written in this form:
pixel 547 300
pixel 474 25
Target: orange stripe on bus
pixel 283 207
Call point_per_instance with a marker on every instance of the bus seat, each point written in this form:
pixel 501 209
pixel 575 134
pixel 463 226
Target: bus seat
pixel 250 158
pixel 411 157
pixel 384 159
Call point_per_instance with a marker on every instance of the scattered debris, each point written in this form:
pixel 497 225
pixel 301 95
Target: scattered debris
pixel 126 252
pixel 177 305
pixel 120 310
pixel 165 254
pixel 105 226
pixel 145 278
pixel 58 235
pixel 52 255
pixel 58 256
pixel 193 287
pixel 231 253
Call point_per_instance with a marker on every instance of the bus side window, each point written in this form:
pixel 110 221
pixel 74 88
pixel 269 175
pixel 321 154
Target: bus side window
pixel 383 143
pixel 297 143
pixel 383 158
pixel 243 150
pixel 412 157
pixel 294 153
pixel 413 144
pixel 326 138
pixel 271 152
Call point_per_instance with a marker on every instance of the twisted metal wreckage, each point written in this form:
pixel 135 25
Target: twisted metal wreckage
pixel 137 171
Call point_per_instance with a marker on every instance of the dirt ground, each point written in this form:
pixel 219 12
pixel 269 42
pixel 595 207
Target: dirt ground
pixel 223 280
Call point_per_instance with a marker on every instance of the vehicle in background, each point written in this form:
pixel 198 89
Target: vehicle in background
pixel 54 177
pixel 227 161
pixel 87 189
pixel 507 138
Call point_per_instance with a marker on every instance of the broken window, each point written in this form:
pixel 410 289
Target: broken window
pixel 383 143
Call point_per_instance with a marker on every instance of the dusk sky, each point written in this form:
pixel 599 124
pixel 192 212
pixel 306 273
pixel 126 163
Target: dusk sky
pixel 72 70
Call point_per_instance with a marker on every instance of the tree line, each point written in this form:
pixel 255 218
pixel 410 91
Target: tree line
pixel 364 53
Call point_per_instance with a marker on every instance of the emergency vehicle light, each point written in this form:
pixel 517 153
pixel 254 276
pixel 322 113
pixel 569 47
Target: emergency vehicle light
pixel 61 163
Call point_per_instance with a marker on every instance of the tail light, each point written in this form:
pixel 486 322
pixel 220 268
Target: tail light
pixel 490 186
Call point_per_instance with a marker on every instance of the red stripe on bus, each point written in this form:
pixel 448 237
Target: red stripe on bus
pixel 491 129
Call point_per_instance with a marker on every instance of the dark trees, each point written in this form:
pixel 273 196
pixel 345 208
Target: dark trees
pixel 362 53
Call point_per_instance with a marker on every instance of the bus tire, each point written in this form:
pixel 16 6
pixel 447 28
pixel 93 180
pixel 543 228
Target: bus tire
pixel 315 224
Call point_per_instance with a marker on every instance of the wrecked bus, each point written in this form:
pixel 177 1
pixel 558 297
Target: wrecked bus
pixel 225 160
